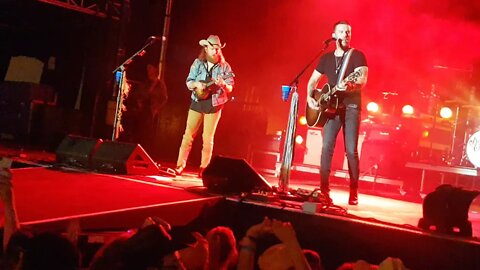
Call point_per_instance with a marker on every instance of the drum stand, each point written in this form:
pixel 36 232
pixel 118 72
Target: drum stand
pixel 464 161
pixel 454 136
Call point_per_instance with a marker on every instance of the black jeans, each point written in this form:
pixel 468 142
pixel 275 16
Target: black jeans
pixel 349 120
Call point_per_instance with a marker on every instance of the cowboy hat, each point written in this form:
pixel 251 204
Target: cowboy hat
pixel 212 40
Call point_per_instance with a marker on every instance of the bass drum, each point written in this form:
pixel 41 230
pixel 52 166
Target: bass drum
pixel 473 149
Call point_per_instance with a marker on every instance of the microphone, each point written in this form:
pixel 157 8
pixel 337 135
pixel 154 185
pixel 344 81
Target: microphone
pixel 326 42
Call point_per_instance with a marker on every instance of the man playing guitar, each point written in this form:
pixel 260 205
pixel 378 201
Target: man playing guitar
pixel 210 79
pixel 336 67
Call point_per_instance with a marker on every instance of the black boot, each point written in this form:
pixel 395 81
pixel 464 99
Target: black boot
pixel 353 198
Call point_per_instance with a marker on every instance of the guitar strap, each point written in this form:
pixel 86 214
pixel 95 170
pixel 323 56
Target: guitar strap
pixel 343 68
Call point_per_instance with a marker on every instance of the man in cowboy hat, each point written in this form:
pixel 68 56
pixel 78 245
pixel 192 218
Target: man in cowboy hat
pixel 210 80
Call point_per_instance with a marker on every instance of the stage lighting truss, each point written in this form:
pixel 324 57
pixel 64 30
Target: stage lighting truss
pixel 100 8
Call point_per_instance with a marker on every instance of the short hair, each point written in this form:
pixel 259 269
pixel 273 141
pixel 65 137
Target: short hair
pixel 340 22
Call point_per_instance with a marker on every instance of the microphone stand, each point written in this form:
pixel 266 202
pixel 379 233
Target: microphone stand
pixel 120 80
pixel 289 146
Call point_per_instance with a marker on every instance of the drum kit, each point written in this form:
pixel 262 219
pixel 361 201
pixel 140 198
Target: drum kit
pixel 465 143
pixel 473 149
pixel 460 134
pixel 471 142
pixel 454 141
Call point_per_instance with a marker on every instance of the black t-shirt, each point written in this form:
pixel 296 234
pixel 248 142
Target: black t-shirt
pixel 328 66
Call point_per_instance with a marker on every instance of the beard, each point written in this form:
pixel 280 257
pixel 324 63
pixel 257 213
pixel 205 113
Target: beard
pixel 213 59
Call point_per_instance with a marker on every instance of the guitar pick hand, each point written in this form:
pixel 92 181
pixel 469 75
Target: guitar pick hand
pixel 220 82
pixel 347 86
pixel 312 103
pixel 325 97
pixel 200 85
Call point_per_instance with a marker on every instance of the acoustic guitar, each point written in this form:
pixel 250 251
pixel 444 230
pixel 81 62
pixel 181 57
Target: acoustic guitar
pixel 328 102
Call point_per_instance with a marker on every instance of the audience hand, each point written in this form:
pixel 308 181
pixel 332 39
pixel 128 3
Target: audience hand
pixel 261 228
pixel 157 221
pixel 284 231
pixel 195 256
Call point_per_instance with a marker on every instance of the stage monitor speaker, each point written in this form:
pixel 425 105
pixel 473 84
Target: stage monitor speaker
pixel 123 158
pixel 231 175
pixel 77 151
pixel 446 209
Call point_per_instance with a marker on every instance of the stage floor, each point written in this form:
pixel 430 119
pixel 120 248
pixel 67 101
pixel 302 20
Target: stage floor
pixel 80 194
pixel 381 206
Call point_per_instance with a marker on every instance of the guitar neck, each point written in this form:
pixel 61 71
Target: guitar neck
pixel 210 83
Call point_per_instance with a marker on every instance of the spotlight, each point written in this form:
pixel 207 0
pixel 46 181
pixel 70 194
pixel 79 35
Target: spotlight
pixel 373 107
pixel 299 139
pixel 445 210
pixel 302 120
pixel 446 112
pixel 408 110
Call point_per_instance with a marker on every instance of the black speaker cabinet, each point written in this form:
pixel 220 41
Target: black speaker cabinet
pixel 231 175
pixel 77 151
pixel 123 158
pixel 21 109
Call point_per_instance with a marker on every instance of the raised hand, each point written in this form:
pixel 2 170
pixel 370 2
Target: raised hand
pixel 261 228
pixel 284 231
pixel 195 256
